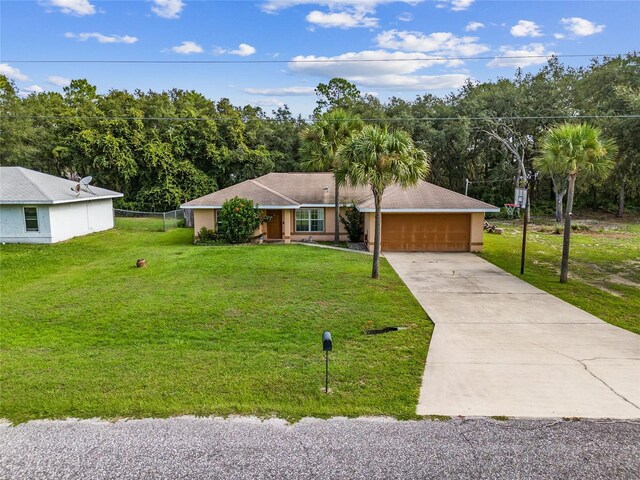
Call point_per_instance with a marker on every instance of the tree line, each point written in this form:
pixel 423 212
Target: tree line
pixel 163 148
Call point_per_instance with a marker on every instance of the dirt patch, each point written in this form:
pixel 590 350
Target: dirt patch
pixel 605 289
pixel 623 281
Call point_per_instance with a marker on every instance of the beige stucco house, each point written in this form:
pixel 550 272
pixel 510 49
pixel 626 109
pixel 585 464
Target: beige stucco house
pixel 301 205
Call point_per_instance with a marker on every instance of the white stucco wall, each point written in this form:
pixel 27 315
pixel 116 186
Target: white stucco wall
pixel 56 222
pixel 14 230
pixel 70 220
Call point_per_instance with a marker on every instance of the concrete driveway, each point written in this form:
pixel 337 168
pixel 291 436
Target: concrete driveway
pixel 503 347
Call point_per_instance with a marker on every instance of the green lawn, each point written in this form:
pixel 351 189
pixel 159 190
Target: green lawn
pixel 148 224
pixel 604 267
pixel 201 330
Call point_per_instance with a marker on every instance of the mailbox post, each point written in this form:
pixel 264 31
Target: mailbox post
pixel 327 346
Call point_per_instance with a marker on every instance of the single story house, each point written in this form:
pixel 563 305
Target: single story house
pixel 40 208
pixel 301 205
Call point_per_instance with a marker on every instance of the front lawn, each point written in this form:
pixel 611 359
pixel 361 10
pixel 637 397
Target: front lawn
pixel 604 266
pixel 202 330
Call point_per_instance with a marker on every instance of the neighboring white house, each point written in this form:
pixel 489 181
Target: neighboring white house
pixel 40 208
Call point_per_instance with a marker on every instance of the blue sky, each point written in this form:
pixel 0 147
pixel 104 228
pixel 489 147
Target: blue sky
pixel 285 30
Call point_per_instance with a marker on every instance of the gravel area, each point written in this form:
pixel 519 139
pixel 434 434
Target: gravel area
pixel 366 448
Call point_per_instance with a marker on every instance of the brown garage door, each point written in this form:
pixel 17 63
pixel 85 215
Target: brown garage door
pixel 426 232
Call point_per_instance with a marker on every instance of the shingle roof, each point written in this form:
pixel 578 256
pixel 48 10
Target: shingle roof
pixel 424 196
pixel 251 189
pixel 282 190
pixel 20 185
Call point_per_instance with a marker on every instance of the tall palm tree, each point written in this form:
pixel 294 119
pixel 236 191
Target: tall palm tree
pixel 574 149
pixel 320 144
pixel 378 157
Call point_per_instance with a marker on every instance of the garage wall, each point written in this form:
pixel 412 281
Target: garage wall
pixel 369 229
pixel 477 231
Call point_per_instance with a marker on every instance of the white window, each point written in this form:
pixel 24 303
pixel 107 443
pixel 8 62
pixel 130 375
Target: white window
pixel 310 220
pixel 31 219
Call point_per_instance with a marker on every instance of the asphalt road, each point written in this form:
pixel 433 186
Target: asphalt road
pixel 188 447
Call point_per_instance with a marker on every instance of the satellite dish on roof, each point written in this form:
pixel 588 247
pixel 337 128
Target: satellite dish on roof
pixel 83 185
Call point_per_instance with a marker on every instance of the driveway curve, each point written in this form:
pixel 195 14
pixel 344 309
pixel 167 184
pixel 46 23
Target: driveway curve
pixel 503 347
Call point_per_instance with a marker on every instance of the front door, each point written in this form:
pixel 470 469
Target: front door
pixel 274 227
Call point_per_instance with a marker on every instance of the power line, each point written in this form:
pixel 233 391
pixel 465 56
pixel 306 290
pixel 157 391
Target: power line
pixel 321 60
pixel 393 119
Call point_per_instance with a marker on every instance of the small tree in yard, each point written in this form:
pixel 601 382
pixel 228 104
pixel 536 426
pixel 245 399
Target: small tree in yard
pixel 238 219
pixel 574 149
pixel 353 222
pixel 378 158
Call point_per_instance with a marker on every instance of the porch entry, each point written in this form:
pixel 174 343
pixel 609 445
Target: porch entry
pixel 274 227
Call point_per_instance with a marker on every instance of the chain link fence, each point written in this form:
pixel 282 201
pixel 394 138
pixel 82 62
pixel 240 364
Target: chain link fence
pixel 149 221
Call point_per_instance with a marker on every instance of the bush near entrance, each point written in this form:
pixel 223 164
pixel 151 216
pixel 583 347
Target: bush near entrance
pixel 353 222
pixel 238 219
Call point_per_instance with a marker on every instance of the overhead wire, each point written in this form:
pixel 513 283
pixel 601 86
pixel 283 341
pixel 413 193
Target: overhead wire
pixel 318 59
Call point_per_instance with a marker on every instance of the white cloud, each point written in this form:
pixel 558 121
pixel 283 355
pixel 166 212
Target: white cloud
pixel 72 7
pixel 272 6
pixel 83 37
pixel 34 89
pixel 526 28
pixel 187 48
pixel 170 9
pixel 12 72
pixel 455 5
pixel 357 18
pixel 413 82
pixel 243 50
pixel 58 80
pixel 26 91
pixel 474 26
pixel 268 102
pixel 283 91
pixel 581 27
pixel 559 36
pixel 378 74
pixel 367 62
pixel 536 53
pixel 440 43
pixel 405 17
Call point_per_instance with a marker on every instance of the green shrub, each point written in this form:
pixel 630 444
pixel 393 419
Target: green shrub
pixel 238 220
pixel 207 235
pixel 353 221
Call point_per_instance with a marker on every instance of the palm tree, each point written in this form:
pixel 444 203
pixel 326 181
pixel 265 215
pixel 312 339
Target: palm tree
pixel 574 149
pixel 320 144
pixel 378 157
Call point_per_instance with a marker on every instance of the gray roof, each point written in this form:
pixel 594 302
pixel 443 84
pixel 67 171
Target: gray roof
pixel 426 197
pixel 23 186
pixel 293 190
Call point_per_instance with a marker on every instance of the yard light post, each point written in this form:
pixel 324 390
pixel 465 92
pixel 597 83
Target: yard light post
pixel 327 346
